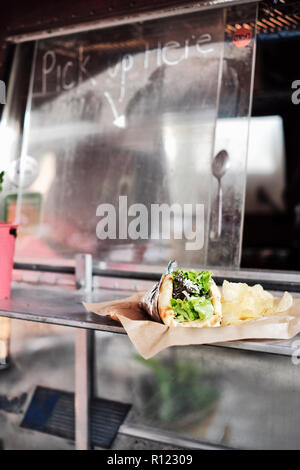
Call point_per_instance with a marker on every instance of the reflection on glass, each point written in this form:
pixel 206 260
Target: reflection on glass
pixel 178 393
pixel 129 111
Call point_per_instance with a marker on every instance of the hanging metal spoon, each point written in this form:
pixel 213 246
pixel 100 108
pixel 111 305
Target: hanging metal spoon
pixel 219 167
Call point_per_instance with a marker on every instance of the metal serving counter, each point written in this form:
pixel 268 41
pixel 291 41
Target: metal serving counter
pixel 63 306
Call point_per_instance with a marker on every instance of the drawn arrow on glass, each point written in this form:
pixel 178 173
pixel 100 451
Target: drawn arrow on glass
pixel 119 121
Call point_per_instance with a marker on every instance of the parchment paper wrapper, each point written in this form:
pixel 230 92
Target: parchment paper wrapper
pixel 150 337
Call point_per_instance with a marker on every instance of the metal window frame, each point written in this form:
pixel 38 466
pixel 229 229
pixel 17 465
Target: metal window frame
pixel 128 19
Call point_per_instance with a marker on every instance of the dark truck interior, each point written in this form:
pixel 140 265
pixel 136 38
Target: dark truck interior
pixel 272 238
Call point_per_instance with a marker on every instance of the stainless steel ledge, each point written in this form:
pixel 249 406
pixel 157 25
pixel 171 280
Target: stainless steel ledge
pixel 276 280
pixel 63 307
pixel 166 437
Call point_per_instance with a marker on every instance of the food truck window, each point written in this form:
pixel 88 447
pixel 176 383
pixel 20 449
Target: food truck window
pixel 129 117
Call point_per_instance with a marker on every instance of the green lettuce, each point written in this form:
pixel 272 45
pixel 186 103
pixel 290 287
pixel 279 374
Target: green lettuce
pixel 202 279
pixel 191 295
pixel 194 308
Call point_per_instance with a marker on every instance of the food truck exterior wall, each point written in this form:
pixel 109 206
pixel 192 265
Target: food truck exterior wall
pixel 19 18
pixel 243 384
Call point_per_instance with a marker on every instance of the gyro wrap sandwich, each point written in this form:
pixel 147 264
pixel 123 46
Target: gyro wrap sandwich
pixel 185 298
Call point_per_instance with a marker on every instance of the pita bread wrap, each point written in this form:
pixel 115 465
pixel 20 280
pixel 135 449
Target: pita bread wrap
pixel 184 298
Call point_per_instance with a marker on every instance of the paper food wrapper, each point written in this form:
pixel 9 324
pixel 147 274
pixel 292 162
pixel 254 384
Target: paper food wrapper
pixel 150 337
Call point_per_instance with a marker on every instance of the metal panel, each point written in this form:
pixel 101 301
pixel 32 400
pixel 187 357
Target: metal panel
pixel 240 399
pixel 102 15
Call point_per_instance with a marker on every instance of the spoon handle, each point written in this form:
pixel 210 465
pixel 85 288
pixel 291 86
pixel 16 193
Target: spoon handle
pixel 219 209
pixel 217 214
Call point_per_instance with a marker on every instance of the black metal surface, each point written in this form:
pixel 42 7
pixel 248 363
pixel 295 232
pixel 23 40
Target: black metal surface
pixel 45 268
pixel 52 412
pixel 117 273
pixel 268 285
pixel 152 276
